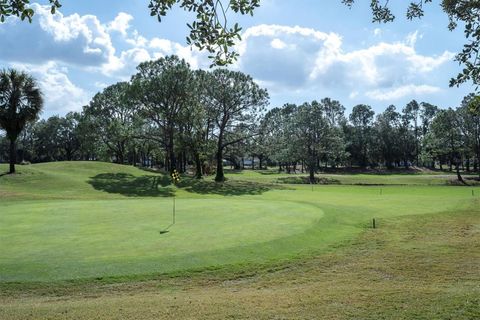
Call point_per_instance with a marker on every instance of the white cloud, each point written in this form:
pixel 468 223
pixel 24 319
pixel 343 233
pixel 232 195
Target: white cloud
pixel 60 94
pixel 400 92
pixel 74 39
pixel 305 59
pixel 85 42
pixel 278 44
pixel 121 23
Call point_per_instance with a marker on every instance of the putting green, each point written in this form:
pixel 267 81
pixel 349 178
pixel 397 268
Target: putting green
pixel 55 240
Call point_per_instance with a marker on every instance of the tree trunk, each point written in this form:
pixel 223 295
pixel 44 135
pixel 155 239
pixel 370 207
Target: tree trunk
pixel 198 166
pixel 13 156
pixel 120 158
pixel 219 175
pixel 311 169
pixel 459 176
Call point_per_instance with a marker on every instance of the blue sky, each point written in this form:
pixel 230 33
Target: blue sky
pixel 299 50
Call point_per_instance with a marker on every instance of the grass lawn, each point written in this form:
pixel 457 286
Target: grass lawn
pixel 82 240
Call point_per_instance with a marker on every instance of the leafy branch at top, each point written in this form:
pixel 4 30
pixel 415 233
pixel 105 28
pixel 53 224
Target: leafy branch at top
pixel 210 30
pixel 21 9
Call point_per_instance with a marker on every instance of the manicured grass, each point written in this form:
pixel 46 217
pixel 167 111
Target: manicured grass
pixel 53 240
pixel 105 220
pixel 412 267
pixel 91 234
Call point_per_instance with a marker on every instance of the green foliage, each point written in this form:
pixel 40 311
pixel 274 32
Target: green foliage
pixel 20 103
pixel 20 8
pixel 113 114
pixel 236 103
pixel 163 89
pixel 210 29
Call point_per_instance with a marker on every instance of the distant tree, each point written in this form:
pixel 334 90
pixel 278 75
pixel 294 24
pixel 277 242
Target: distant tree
pixel 411 116
pixel 469 122
pixel 47 139
pixel 88 136
pixel 20 103
pixel 69 141
pixel 335 145
pixel 312 134
pixel 236 101
pixel 361 119
pixel 387 134
pixel 447 135
pixel 427 113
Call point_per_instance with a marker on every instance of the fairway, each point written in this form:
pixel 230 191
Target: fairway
pixel 92 229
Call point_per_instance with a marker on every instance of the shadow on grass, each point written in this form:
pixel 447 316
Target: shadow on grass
pixel 233 171
pixel 306 180
pixel 269 172
pixel 228 188
pixel 132 186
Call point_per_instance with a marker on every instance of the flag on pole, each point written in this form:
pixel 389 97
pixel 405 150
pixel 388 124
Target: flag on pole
pixel 175 176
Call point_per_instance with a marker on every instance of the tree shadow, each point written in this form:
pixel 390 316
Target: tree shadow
pixel 227 188
pixel 269 172
pixel 306 180
pixel 233 171
pixel 132 186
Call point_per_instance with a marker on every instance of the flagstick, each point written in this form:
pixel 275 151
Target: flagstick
pixel 173 209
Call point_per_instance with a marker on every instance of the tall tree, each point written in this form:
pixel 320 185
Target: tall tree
pixel 236 101
pixel 411 116
pixel 469 122
pixel 162 89
pixel 20 102
pixel 387 134
pixel 361 119
pixel 312 134
pixel 448 138
pixel 113 113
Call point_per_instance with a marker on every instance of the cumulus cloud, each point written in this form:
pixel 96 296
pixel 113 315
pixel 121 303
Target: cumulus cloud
pixel 121 23
pixel 285 59
pixel 84 41
pixel 296 58
pixel 74 39
pixel 60 94
pixel 396 93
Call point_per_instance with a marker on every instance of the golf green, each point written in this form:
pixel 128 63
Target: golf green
pixel 53 240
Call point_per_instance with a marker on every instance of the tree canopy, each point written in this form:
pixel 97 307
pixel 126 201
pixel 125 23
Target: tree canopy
pixel 20 103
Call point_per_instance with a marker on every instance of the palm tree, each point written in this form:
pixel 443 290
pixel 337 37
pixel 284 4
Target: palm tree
pixel 20 102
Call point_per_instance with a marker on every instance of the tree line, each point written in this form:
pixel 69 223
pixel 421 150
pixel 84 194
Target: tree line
pixel 173 117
